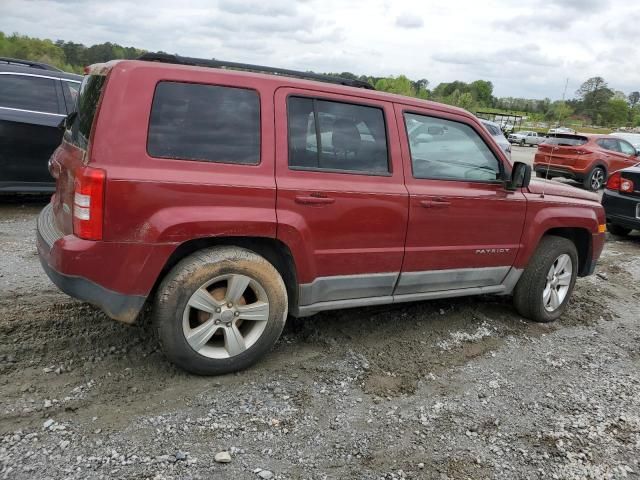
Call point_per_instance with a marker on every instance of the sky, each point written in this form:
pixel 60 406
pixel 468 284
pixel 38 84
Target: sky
pixel 527 48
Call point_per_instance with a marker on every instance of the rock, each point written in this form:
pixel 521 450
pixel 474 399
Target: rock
pixel 48 404
pixel 64 444
pixel 223 457
pixel 421 465
pixel 265 474
pixel 48 423
pixel 602 275
pixel 180 456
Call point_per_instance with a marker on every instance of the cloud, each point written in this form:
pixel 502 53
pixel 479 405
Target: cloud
pixel 407 20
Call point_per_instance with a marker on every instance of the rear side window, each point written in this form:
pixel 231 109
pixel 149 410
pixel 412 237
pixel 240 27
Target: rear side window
pixel 86 107
pixel 335 136
pixel 28 93
pixel 70 91
pixel 610 144
pixel 566 140
pixel 205 122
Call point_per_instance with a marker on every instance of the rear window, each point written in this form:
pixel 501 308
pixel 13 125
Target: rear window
pixel 210 123
pixel 87 105
pixel 566 140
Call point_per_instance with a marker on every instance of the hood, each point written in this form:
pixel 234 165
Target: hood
pixel 549 187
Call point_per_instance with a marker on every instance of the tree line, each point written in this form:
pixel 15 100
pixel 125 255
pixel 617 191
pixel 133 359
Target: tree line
pixel 594 103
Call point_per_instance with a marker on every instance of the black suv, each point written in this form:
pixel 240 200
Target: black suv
pixel 34 99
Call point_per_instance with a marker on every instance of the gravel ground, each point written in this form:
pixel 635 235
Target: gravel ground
pixel 452 389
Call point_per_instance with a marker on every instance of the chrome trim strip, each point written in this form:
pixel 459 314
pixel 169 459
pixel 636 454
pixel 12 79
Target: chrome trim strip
pixel 347 287
pixel 458 278
pixel 40 76
pixel 33 111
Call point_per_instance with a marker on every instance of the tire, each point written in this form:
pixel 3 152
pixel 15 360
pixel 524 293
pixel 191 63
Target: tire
pixel 228 285
pixel 529 294
pixel 522 143
pixel 618 230
pixel 595 180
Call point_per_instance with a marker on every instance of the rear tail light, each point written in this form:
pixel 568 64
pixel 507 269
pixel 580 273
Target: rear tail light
pixel 619 184
pixel 614 182
pixel 88 203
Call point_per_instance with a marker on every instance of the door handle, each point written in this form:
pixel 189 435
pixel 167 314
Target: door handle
pixel 314 200
pixel 435 203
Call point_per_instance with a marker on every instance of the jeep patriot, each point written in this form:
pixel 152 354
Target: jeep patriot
pixel 228 199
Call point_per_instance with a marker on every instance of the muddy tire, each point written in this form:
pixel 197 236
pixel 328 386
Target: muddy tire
pixel 220 310
pixel 618 230
pixel 543 291
pixel 595 180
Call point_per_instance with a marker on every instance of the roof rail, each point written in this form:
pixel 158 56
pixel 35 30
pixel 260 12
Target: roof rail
pixel 28 63
pixel 201 62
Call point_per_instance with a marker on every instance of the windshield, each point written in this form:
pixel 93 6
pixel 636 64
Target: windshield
pixel 87 104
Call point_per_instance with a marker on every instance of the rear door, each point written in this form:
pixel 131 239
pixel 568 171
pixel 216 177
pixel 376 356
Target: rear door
pixel 628 154
pixel 341 199
pixel 31 108
pixel 464 226
pixel 615 157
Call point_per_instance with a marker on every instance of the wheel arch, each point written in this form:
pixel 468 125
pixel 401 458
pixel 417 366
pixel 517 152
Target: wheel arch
pixel 273 250
pixel 581 238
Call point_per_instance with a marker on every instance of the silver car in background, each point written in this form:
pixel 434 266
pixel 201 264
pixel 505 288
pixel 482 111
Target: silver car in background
pixel 632 138
pixel 498 136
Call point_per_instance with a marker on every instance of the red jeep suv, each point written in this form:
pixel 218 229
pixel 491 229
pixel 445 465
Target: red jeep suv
pixel 230 198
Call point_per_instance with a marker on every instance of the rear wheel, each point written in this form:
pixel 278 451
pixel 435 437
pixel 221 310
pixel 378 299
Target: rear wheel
pixel 618 230
pixel 595 180
pixel 543 291
pixel 522 143
pixel 220 310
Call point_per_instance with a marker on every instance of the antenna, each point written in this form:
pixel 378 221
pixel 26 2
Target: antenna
pixel 553 149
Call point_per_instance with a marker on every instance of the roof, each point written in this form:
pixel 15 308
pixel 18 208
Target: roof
pixel 28 63
pixel 280 81
pixel 9 67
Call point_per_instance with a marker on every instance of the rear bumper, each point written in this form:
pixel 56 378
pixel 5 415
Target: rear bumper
pixel 555 171
pixel 116 277
pixel 124 308
pixel 621 209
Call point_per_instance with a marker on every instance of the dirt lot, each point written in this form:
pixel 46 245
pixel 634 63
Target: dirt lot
pixel 437 390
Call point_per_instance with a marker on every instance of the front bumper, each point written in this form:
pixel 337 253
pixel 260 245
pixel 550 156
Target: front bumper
pixel 622 209
pixel 69 261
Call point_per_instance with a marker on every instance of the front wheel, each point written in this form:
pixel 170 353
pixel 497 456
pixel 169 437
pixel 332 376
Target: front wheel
pixel 595 180
pixel 543 291
pixel 220 310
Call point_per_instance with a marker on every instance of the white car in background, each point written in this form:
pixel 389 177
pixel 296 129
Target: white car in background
pixel 498 136
pixel 524 137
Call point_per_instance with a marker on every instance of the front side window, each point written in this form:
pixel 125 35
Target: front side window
pixel 626 148
pixel 28 93
pixel 335 136
pixel 446 150
pixel 210 123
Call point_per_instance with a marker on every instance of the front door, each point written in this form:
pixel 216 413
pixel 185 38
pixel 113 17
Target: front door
pixel 341 199
pixel 464 226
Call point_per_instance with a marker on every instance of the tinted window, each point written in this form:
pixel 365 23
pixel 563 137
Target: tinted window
pixel 205 122
pixel 493 130
pixel 336 136
pixel 565 140
pixel 610 144
pixel 86 107
pixel 626 148
pixel 442 149
pixel 28 93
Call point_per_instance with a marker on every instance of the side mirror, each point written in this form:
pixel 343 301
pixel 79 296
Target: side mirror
pixel 520 176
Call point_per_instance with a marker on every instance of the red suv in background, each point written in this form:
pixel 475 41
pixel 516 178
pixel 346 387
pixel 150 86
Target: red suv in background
pixel 589 159
pixel 230 199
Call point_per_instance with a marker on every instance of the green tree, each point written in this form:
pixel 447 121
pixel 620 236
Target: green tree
pixel 482 92
pixel 595 95
pixel 616 112
pixel 634 98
